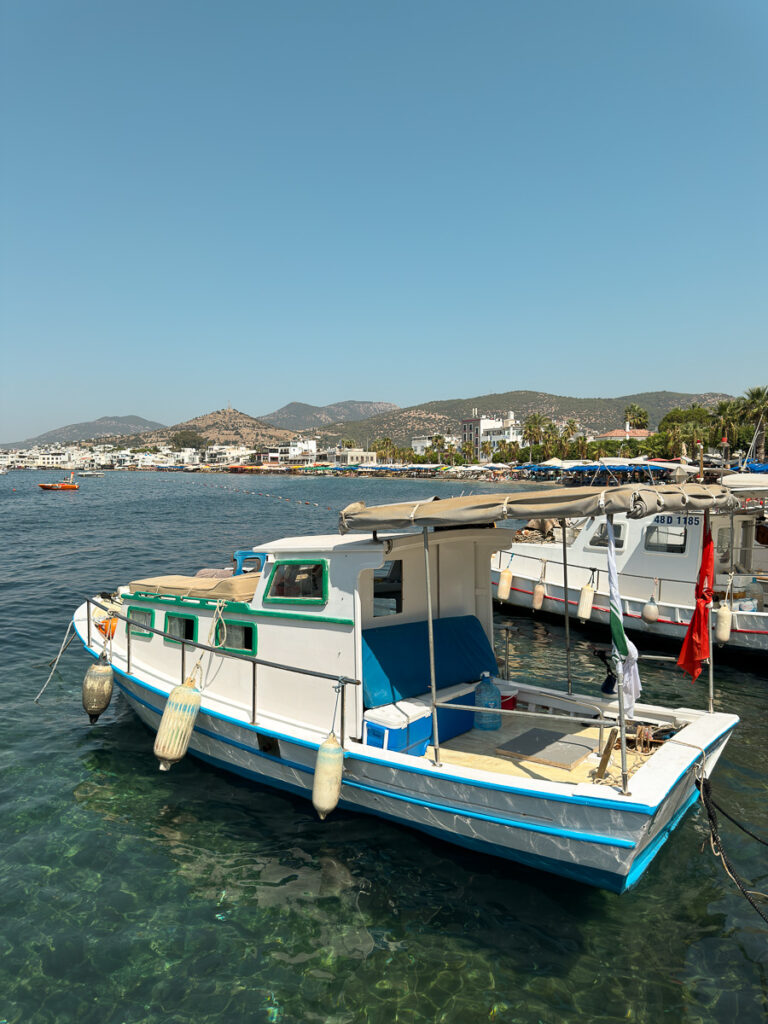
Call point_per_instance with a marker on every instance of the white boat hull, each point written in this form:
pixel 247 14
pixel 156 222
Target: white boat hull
pixel 586 832
pixel 749 630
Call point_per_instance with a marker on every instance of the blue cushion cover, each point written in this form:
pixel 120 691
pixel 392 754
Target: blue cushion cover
pixel 396 658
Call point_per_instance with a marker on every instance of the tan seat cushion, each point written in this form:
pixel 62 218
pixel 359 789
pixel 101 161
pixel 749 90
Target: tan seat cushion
pixel 233 588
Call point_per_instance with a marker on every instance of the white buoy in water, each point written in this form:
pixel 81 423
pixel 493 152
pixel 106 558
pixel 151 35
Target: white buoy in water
pixel 586 597
pixel 505 584
pixel 177 723
pixel 538 596
pixel 650 611
pixel 723 624
pixel 326 788
pixel 97 688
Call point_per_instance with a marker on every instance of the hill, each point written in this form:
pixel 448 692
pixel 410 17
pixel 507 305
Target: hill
pixel 444 417
pixel 298 416
pixel 225 426
pixel 106 427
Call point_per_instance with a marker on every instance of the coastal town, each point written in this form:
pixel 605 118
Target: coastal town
pixel 485 445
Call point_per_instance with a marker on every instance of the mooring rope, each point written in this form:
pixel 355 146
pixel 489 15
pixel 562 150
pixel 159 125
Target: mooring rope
pixel 716 845
pixel 64 644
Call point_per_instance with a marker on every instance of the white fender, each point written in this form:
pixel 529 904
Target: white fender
pixel 505 584
pixel 326 788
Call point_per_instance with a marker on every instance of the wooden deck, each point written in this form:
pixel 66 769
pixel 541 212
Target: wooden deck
pixel 478 749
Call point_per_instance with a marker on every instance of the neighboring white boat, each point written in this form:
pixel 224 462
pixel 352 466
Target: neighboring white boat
pixel 90 472
pixel 383 636
pixel 657 561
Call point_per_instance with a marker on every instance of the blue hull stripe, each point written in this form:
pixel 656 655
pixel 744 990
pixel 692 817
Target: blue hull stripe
pixel 612 881
pixel 584 837
pixel 601 804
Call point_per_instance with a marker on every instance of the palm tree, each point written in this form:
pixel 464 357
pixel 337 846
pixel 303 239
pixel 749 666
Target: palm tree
pixel 549 438
pixel 533 430
pixel 486 449
pixel 754 407
pixel 725 421
pixel 636 416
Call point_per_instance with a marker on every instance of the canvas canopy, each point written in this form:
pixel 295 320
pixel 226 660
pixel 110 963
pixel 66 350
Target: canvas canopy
pixel 636 500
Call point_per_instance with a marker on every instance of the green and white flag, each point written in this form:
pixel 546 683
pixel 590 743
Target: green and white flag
pixel 618 635
pixel 623 648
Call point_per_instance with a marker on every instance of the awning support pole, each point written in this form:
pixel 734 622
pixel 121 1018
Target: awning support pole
pixel 431 638
pixel 567 612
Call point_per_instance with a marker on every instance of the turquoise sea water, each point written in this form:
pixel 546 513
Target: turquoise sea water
pixel 127 895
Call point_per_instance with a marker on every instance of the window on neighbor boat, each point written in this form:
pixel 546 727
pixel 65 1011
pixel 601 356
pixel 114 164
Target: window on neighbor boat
pixel 723 547
pixel 667 537
pixel 236 636
pixel 388 588
pixel 298 581
pixel 141 621
pixel 181 627
pixel 599 538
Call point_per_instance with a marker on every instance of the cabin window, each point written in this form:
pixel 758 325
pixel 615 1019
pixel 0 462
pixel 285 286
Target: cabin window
pixel 298 582
pixel 666 537
pixel 180 627
pixel 141 620
pixel 599 538
pixel 239 637
pixel 388 589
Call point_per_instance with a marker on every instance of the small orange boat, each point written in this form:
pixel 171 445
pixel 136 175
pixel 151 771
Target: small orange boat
pixel 62 485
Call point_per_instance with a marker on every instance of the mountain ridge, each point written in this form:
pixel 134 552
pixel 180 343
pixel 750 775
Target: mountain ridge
pixel 104 427
pixel 300 416
pixel 225 426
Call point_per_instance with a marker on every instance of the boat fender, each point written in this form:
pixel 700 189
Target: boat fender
pixel 97 688
pixel 723 624
pixel 586 597
pixel 326 788
pixel 650 611
pixel 505 584
pixel 539 592
pixel 177 724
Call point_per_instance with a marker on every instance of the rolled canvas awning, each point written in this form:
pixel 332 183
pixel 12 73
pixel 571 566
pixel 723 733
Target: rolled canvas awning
pixel 636 500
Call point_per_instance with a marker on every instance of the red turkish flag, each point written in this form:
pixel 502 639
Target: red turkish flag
pixel 695 647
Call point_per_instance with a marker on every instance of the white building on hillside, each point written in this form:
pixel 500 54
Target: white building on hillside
pixel 477 429
pixel 421 444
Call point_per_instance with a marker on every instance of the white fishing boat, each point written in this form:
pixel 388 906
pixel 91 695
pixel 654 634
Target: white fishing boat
pixel 383 636
pixel 657 561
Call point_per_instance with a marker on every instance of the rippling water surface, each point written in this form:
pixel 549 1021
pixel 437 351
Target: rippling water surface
pixel 127 895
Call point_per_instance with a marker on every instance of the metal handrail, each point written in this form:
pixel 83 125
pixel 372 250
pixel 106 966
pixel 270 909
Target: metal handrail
pixel 250 658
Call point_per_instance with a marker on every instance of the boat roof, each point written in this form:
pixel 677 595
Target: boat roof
pixel 636 500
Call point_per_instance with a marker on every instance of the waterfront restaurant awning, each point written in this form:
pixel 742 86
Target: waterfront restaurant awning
pixel 636 500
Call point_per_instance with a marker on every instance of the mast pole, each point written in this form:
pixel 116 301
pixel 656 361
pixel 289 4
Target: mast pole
pixel 431 640
pixel 567 612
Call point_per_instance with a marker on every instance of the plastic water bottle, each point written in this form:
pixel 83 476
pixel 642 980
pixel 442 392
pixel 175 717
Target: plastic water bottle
pixel 487 695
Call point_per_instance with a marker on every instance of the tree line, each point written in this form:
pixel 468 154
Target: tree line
pixel 679 433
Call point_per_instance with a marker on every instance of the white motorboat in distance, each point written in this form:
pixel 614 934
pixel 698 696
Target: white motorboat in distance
pixel 383 636
pixel 657 560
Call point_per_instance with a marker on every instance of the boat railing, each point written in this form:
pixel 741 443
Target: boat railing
pixel 339 681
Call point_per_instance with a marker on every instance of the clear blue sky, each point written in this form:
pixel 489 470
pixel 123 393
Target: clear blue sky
pixel 257 203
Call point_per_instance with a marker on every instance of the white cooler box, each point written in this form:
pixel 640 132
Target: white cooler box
pixel 405 726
